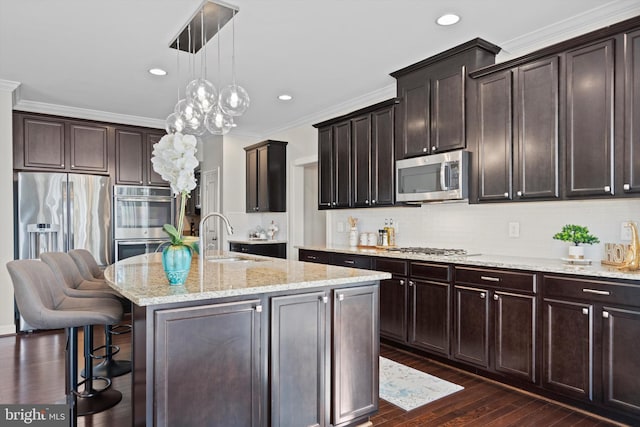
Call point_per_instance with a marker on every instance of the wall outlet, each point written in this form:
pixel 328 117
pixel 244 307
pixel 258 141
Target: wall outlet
pixel 625 231
pixel 340 227
pixel 514 229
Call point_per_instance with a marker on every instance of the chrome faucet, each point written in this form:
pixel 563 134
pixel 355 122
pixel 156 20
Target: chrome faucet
pixel 204 219
pixel 202 248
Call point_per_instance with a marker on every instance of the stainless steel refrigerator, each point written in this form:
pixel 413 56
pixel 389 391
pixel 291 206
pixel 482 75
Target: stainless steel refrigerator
pixel 60 212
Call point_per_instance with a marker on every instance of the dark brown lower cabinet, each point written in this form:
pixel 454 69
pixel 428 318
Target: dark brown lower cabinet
pixel 299 359
pixel 429 317
pixel 355 353
pixel 208 365
pixel 495 321
pixel 471 325
pixel 393 309
pixel 275 250
pixel 568 343
pixel 591 341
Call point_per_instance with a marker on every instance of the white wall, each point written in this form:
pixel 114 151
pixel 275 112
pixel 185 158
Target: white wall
pixel 485 228
pixel 6 213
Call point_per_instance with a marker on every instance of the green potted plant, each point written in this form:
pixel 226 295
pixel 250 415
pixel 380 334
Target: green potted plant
pixel 576 234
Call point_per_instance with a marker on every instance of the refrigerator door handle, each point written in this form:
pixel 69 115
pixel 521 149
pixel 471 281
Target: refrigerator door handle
pixel 70 202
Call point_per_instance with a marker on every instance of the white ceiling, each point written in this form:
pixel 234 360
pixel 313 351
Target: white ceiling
pixel 90 58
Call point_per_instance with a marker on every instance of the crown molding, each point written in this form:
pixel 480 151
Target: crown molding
pixel 337 110
pixel 593 19
pixel 84 113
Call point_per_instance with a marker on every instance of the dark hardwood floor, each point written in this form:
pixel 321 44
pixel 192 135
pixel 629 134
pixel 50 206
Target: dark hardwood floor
pixel 32 371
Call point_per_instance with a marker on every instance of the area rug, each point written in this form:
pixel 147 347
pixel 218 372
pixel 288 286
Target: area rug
pixel 409 388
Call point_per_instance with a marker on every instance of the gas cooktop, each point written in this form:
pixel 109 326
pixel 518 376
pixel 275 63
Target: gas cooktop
pixel 432 251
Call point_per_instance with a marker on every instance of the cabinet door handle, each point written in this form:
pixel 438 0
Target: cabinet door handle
pixel 325 299
pixel 411 283
pixel 605 314
pixel 401 282
pixel 258 309
pixel 433 148
pixel 595 291
pixel 607 188
pixel 506 194
pixel 424 150
pixel 340 297
pixel 496 297
pixel 490 279
pixel 366 202
pixel 585 311
pixel 349 261
pixel 333 203
pixel 483 295
pixel 519 193
pixel 627 187
pixel 373 202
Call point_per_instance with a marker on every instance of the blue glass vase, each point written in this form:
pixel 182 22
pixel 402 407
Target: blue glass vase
pixel 176 261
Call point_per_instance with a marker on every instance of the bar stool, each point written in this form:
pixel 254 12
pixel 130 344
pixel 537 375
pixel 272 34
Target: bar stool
pixel 91 271
pixel 67 273
pixel 44 305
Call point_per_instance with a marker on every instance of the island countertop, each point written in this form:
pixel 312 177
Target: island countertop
pixel 141 278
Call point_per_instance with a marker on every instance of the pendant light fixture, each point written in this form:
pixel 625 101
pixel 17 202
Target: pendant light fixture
pixel 234 100
pixel 203 108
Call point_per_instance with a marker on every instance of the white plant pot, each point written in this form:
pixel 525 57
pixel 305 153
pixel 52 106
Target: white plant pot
pixel 576 252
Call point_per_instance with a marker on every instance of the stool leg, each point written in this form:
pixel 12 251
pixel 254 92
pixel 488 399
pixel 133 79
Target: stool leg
pixel 71 365
pixel 111 367
pixel 91 401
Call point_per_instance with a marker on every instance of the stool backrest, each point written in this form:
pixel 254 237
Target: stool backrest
pixel 63 267
pixel 35 292
pixel 87 264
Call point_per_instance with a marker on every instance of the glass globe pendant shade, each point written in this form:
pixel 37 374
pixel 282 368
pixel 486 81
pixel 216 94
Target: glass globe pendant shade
pixel 217 122
pixel 174 124
pixel 234 100
pixel 201 92
pixel 192 116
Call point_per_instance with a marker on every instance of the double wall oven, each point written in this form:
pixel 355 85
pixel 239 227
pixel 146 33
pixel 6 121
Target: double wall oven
pixel 138 216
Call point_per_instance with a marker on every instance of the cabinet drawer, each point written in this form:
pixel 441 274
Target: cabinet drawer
pixel 393 266
pixel 314 256
pixel 429 271
pixel 497 278
pixel 354 261
pixel 591 290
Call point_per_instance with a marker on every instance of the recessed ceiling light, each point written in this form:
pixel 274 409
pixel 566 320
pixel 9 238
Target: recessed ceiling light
pixel 448 19
pixel 158 72
pixel 285 97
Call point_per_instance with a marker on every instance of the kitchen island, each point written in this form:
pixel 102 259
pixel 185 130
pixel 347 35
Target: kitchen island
pixel 251 341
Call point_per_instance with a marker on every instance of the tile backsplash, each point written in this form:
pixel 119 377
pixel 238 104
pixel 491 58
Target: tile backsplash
pixel 484 228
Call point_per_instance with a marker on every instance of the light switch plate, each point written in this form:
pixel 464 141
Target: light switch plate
pixel 514 229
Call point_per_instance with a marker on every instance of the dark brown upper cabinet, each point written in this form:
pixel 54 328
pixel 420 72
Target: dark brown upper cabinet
pixel 49 143
pixel 432 109
pixel 631 165
pixel 266 175
pixel 589 120
pixel 134 150
pixel 356 165
pixel 517 133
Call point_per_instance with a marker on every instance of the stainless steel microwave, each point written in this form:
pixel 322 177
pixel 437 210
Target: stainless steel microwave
pixel 436 177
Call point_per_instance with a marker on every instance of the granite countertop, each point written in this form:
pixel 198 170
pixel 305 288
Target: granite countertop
pixel 141 278
pixel 546 265
pixel 256 241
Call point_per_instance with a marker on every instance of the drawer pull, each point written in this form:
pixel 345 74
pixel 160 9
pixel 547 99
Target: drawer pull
pixel 482 295
pixel 595 291
pixel 605 314
pixel 585 311
pixel 258 309
pixel 490 279
pixel 349 261
pixel 340 297
pixel 325 299
pixel 311 257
